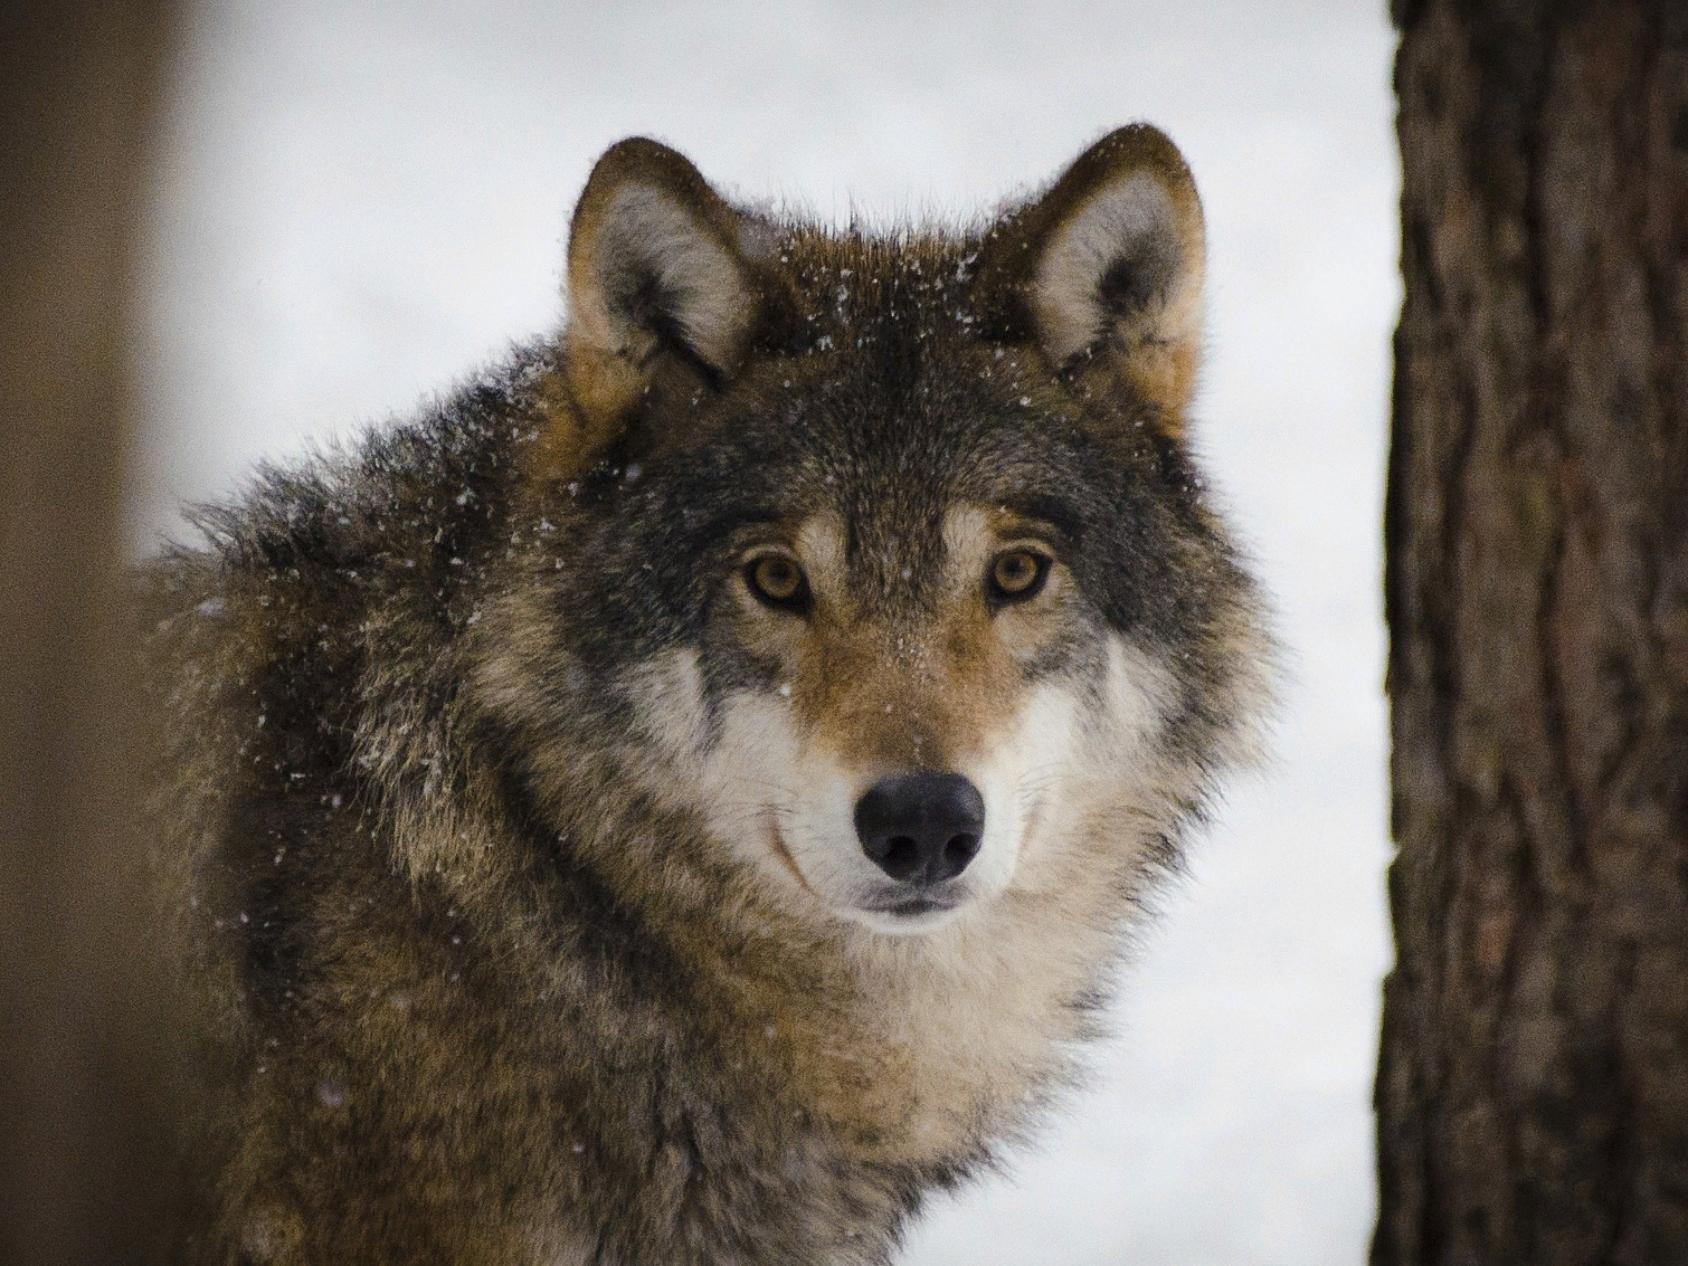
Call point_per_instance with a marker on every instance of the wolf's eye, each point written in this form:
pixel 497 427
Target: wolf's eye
pixel 778 582
pixel 1017 575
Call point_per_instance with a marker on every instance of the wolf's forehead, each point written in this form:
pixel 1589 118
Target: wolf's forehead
pixel 900 551
pixel 909 259
pixel 823 541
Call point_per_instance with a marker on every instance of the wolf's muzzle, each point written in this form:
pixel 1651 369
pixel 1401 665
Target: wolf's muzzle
pixel 921 828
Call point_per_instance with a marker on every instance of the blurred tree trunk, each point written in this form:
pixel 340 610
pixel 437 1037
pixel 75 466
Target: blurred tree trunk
pixel 84 1112
pixel 1533 1090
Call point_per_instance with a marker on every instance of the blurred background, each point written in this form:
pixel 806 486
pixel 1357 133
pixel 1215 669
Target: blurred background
pixel 361 203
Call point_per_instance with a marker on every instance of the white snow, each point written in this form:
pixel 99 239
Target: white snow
pixel 362 202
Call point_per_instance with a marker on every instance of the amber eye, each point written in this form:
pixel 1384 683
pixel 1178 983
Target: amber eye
pixel 777 581
pixel 1017 575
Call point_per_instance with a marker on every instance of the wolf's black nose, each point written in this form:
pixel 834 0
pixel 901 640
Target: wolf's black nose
pixel 921 828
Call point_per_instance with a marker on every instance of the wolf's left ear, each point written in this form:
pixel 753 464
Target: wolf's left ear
pixel 1104 271
pixel 663 293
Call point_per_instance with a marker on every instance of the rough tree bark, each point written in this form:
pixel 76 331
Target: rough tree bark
pixel 1533 1090
pixel 84 1023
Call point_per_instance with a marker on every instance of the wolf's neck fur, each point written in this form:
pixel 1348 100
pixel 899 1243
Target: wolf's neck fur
pixel 910 1051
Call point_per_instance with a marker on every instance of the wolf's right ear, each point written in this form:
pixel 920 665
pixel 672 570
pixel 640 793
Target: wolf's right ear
pixel 662 291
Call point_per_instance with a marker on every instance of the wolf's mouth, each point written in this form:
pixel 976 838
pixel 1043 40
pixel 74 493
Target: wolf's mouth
pixel 784 854
pixel 913 907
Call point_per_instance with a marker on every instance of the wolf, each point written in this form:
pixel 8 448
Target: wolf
pixel 681 797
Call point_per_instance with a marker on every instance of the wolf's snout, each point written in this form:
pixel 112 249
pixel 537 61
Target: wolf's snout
pixel 921 828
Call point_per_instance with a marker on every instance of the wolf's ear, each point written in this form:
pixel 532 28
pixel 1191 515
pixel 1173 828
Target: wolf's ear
pixel 1105 269
pixel 662 294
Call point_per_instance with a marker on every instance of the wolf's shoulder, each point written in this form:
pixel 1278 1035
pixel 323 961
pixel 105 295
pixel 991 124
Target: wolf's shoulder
pixel 403 485
pixel 352 568
pixel 401 507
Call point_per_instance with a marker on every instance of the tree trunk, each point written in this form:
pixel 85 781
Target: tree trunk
pixel 84 1015
pixel 1532 1095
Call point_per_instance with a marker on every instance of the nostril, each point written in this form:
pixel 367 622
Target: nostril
pixel 901 858
pixel 962 847
pixel 960 850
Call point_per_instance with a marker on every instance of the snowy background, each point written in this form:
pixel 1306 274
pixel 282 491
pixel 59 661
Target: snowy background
pixel 363 202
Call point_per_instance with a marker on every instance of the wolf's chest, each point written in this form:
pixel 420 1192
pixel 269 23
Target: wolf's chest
pixel 945 1056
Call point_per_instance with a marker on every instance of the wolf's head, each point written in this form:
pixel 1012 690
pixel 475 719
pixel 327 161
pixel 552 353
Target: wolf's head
pixel 883 554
